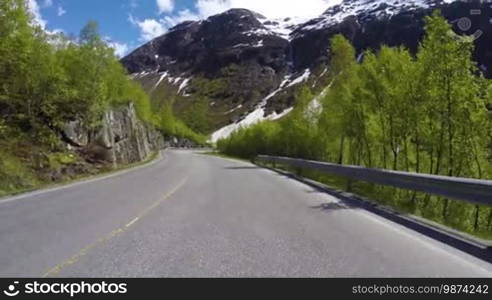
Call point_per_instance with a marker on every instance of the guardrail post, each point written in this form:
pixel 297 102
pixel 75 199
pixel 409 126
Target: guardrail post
pixel 349 185
pixel 298 171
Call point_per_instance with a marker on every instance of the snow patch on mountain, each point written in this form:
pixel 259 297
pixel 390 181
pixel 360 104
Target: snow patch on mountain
pixel 371 8
pixel 259 115
pixel 184 85
pixel 276 116
pixel 163 76
pixel 301 79
pixel 284 27
pixel 180 82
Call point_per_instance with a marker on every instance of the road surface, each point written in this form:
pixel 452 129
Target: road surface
pixel 190 214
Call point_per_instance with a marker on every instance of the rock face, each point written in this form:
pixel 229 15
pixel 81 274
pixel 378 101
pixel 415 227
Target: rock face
pixel 232 59
pixel 121 139
pixel 234 37
pixel 251 65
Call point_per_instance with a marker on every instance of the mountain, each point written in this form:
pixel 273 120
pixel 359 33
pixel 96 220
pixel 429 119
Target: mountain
pixel 371 23
pixel 232 59
pixel 249 67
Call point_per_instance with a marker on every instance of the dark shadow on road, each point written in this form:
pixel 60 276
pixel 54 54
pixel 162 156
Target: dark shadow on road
pixel 333 206
pixel 242 168
pixel 354 202
pixel 315 192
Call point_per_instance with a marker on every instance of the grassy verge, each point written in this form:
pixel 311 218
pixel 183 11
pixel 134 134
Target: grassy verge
pixel 222 155
pixel 39 185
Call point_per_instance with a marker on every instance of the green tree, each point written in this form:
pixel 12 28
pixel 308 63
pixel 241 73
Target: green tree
pixel 299 135
pixel 386 94
pixel 196 115
pixel 342 119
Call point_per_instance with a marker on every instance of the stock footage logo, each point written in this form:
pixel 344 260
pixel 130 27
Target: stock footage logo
pixel 65 289
pixel 11 290
pixel 465 23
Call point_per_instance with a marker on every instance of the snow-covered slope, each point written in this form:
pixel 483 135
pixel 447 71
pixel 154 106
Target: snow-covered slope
pixel 374 8
pixel 259 113
pixel 284 27
pixel 368 9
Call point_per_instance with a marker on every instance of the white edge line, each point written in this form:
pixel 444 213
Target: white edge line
pixel 132 222
pixel 431 243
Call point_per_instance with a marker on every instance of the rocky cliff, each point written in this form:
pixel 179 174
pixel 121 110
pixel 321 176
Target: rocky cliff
pixel 120 139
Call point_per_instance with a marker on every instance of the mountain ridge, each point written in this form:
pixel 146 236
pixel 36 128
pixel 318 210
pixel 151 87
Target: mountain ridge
pixel 252 66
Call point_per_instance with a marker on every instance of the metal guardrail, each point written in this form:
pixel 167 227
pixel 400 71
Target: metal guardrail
pixel 470 190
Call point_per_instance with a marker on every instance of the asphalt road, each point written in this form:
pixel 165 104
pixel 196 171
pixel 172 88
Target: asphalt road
pixel 195 215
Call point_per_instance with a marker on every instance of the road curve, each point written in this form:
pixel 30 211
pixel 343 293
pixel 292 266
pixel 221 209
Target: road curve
pixel 193 215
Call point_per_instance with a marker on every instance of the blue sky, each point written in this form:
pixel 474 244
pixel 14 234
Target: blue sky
pixel 130 23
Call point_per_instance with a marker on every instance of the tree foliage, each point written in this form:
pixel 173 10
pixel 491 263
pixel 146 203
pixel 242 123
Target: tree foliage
pixel 47 80
pixel 196 115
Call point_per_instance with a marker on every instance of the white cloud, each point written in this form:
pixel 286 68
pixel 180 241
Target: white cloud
pixel 120 49
pixel 303 9
pixel 61 11
pixel 48 3
pixel 269 8
pixel 181 16
pixel 33 7
pixel 35 10
pixel 149 28
pixel 152 28
pixel 165 6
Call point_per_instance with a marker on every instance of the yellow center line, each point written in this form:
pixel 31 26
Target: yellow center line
pixel 75 258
